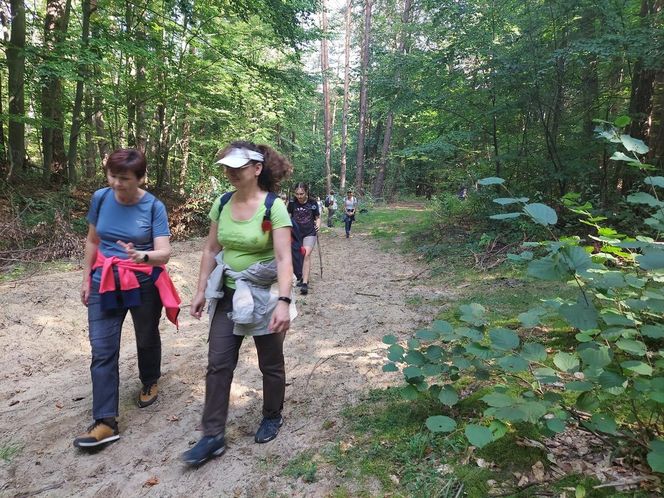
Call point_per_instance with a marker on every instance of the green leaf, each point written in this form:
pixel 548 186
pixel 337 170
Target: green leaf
pixel 412 373
pixel 448 396
pixel 546 375
pixel 390 367
pixel 480 351
pixel 504 339
pixel 637 367
pixel 541 213
pixel 513 364
pixel 610 379
pixel 546 269
pixel 653 331
pixel 580 315
pixel 597 357
pixel 533 410
pixel 478 435
pixel 579 491
pixel 556 425
pixel 566 362
pixel 390 339
pixel 655 181
pixel 577 259
pixel 604 423
pixel 472 334
pixel 579 385
pixel 441 326
pixel 440 423
pixel 504 201
pixel 504 216
pixel 531 318
pixel 656 455
pixel 410 393
pixel 533 351
pixel 492 180
pixel 498 400
pixel 430 370
pixel 415 358
pixel 621 156
pixel 474 314
pixel 652 259
pixel 427 335
pixel 643 198
pixel 636 348
pixel 587 402
pixel 634 144
pixel 622 121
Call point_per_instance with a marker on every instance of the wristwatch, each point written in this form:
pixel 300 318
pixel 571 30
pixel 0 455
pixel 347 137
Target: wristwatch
pixel 146 258
pixel 285 299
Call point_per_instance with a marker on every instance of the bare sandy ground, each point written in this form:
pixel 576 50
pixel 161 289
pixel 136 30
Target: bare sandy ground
pixel 334 355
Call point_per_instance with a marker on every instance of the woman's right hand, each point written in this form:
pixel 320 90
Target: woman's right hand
pixel 197 305
pixel 85 293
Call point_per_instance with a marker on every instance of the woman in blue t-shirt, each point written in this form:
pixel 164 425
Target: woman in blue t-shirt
pixel 126 247
pixel 305 212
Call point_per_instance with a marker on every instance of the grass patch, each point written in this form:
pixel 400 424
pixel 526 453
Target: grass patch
pixel 302 466
pixel 8 451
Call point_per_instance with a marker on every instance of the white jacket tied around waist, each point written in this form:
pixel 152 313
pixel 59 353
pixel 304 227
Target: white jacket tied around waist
pixel 256 295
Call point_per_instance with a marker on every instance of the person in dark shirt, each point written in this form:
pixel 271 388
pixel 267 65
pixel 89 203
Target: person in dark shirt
pixel 304 211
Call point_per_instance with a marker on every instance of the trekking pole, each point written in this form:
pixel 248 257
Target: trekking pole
pixel 320 256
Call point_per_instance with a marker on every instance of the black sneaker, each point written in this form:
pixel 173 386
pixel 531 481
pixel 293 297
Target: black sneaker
pixel 101 432
pixel 268 429
pixel 304 289
pixel 299 283
pixel 208 447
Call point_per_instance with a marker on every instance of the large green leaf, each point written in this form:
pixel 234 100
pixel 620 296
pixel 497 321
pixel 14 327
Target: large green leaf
pixel 643 198
pixel 412 373
pixel 513 364
pixel 390 339
pixel 478 435
pixel 441 326
pixel 480 351
pixel 390 367
pixel 598 356
pixel 492 180
pixel 546 375
pixel 498 400
pixel 556 425
pixel 638 367
pixel 656 181
pixel 533 351
pixel 566 362
pixel 634 144
pixel 581 315
pixel 579 385
pixel 609 380
pixel 531 318
pixel 541 213
pixel 504 216
pixel 504 339
pixel 631 346
pixel 427 335
pixel 621 156
pixel 504 201
pixel 546 269
pixel 656 455
pixel 652 259
pixel 653 331
pixel 533 410
pixel 440 423
pixel 448 396
pixel 604 423
pixel 473 313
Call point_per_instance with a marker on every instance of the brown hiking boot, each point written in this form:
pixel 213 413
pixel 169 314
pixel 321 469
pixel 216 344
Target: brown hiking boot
pixel 98 433
pixel 148 395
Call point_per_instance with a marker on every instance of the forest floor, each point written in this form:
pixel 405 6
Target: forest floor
pixel 334 355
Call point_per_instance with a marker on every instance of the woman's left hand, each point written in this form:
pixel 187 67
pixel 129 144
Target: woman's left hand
pixel 280 321
pixel 134 255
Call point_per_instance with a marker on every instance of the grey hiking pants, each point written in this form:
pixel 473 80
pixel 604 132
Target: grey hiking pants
pixel 222 359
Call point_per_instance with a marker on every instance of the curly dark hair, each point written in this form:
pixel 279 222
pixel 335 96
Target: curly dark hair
pixel 275 166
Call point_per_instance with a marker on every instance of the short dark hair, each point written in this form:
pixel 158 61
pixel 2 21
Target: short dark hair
pixel 127 160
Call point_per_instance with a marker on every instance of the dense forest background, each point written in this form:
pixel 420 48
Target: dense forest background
pixel 415 96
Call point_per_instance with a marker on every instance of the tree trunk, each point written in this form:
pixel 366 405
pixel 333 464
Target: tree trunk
pixel 346 104
pixel 78 100
pixel 90 163
pixel 327 129
pixel 16 69
pixel 364 69
pixel 53 139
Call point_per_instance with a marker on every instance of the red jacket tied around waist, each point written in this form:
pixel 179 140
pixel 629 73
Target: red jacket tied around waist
pixel 130 287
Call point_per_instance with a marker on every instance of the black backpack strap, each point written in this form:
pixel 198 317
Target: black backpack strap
pixel 267 217
pixel 223 200
pixel 101 200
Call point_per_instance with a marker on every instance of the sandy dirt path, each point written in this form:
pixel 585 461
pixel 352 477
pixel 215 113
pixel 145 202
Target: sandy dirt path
pixel 334 355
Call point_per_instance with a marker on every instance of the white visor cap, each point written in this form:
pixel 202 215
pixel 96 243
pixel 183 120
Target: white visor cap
pixel 237 158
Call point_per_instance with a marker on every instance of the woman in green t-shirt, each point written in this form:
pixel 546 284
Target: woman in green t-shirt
pixel 248 242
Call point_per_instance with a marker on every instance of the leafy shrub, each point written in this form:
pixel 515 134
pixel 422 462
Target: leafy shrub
pixel 611 378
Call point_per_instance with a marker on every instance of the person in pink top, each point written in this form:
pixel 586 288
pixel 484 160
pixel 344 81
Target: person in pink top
pixel 123 271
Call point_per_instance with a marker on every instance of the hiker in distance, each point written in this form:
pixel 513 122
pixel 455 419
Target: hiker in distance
pixel 304 211
pixel 350 206
pixel 331 205
pixel 123 270
pixel 252 227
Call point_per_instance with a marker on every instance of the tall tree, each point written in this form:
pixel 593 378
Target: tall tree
pixel 16 69
pixel 362 119
pixel 327 125
pixel 346 104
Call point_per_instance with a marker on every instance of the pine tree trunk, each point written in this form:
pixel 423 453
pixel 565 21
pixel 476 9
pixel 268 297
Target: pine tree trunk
pixel 327 130
pixel 346 104
pixel 16 67
pixel 364 70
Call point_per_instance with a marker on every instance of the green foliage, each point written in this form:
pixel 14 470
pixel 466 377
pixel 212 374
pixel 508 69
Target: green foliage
pixel 303 466
pixel 617 358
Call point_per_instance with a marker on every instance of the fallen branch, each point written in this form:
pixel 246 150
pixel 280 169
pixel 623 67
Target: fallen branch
pixel 366 294
pixel 319 363
pixel 412 277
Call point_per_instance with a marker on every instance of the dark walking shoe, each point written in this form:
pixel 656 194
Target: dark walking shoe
pixel 268 429
pixel 101 432
pixel 304 290
pixel 208 447
pixel 299 283
pixel 148 395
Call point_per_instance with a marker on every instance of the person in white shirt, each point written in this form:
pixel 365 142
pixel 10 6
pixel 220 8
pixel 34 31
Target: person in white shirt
pixel 350 206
